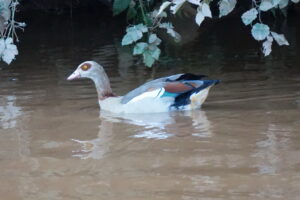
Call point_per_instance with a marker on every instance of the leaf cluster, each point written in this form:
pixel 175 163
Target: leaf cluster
pixel 8 26
pixel 150 20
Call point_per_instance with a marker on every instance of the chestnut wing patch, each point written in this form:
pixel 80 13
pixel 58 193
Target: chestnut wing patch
pixel 179 87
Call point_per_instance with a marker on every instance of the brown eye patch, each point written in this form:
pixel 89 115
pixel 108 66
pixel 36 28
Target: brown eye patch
pixel 85 66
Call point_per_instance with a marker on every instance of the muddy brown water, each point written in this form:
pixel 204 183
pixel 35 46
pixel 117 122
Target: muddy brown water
pixel 243 143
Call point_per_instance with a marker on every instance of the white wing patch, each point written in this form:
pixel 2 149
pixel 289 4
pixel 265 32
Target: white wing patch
pixel 151 94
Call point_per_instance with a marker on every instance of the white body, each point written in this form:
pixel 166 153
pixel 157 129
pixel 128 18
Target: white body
pixel 148 104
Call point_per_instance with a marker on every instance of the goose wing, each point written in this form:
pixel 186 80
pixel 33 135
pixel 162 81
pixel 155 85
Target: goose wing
pixel 170 86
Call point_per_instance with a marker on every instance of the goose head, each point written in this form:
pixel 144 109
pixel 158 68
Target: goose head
pixel 87 69
pixel 94 71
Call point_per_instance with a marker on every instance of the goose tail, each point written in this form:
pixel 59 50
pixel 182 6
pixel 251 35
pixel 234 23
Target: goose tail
pixel 194 98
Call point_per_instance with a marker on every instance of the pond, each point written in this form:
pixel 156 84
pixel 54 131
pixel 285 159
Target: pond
pixel 56 144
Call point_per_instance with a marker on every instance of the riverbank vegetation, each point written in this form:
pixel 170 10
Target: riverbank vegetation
pixel 148 19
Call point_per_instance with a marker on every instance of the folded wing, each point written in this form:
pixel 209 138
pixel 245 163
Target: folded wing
pixel 179 87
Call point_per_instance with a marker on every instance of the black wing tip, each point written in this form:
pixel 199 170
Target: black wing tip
pixel 209 83
pixel 217 82
pixel 188 76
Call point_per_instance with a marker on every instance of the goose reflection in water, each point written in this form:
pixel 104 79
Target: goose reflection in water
pixel 158 126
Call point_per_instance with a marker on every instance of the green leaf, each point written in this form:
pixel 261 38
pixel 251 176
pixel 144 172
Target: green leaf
pixel 267 46
pixel 260 31
pixel 266 5
pixel 131 37
pixel 140 27
pixel 155 53
pixel 205 9
pixel 120 5
pixel 162 8
pixel 148 59
pixel 139 48
pixel 280 39
pixel 283 3
pixel 134 33
pixel 152 38
pixel 127 39
pixel 249 16
pixel 170 30
pixel 199 17
pixel 226 6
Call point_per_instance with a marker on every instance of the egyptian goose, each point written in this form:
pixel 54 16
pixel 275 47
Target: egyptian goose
pixel 176 92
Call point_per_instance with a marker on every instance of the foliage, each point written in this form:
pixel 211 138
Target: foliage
pixel 146 21
pixel 150 50
pixel 143 35
pixel 150 20
pixel 8 26
pixel 8 50
pixel 134 33
pixel 261 31
pixel 249 16
pixel 226 6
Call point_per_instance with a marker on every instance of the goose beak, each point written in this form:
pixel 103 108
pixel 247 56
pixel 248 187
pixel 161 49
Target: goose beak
pixel 74 75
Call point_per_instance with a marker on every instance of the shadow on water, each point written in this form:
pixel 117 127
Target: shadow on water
pixel 243 144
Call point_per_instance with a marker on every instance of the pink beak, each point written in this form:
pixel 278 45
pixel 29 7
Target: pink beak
pixel 74 75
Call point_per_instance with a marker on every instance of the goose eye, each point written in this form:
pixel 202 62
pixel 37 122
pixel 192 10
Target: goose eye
pixel 85 67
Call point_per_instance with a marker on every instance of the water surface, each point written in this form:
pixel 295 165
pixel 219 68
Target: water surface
pixel 243 143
